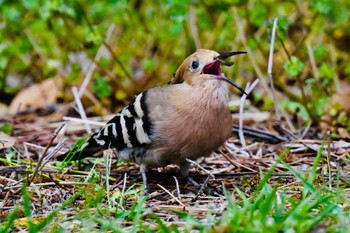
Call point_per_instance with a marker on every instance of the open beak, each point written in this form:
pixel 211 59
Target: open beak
pixel 221 58
pixel 223 78
pixel 214 68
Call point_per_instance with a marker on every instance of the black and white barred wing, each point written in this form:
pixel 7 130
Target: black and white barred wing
pixel 128 130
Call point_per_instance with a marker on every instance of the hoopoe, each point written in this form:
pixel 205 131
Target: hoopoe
pixel 165 125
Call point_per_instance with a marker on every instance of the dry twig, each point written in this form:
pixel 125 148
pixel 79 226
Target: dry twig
pixel 54 135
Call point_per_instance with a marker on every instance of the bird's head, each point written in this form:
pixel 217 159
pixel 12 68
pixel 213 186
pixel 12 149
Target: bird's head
pixel 204 62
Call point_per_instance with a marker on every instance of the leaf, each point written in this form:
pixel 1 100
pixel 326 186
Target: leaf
pixel 326 72
pixel 6 140
pixel 296 107
pixel 3 62
pixel 37 96
pixel 293 67
pixel 283 24
pixel 149 65
pixel 101 88
pixel 30 4
pixel 258 14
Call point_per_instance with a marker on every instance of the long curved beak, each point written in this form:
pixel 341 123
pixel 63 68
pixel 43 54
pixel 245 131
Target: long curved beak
pixel 223 56
pixel 220 59
pixel 223 78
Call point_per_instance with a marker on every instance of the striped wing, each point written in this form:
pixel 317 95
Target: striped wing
pixel 130 128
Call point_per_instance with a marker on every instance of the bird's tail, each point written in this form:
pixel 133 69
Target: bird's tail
pixel 81 149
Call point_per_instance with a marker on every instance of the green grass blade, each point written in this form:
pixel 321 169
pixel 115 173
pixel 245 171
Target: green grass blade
pixel 10 219
pixel 27 208
pixel 54 213
pixel 297 175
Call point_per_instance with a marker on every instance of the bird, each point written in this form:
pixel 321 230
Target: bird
pixel 187 119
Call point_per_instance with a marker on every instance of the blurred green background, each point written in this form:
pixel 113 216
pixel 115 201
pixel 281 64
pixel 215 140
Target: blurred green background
pixel 141 44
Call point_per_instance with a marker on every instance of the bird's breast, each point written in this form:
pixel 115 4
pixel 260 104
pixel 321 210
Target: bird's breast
pixel 196 123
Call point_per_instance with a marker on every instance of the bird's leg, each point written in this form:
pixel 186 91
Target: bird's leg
pixel 200 188
pixel 143 170
pixel 184 167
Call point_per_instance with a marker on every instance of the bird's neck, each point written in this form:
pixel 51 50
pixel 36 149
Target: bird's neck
pixel 213 94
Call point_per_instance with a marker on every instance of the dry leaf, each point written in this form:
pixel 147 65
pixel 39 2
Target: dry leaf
pixel 6 141
pixel 37 96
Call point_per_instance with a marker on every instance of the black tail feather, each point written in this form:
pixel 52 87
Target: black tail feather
pixel 82 149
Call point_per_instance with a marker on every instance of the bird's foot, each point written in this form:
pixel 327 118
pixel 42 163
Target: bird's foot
pixel 146 187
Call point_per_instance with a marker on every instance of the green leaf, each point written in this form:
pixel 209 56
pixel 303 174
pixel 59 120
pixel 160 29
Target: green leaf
pixel 283 24
pixel 320 52
pixel 326 72
pixel 101 88
pixel 7 128
pixel 12 13
pixel 322 6
pixel 296 107
pixel 149 65
pixel 257 14
pixel 293 67
pixel 30 4
pixel 3 62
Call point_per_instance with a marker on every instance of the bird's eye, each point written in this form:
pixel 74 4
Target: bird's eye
pixel 195 65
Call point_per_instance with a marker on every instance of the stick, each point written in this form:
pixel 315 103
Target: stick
pixel 177 187
pixel 54 135
pixel 93 66
pixel 248 89
pixel 197 164
pixel 269 68
pixel 167 191
pixel 86 121
pixel 243 39
pixel 81 109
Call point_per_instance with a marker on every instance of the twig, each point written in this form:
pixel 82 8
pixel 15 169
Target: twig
pixel 270 76
pixel 243 150
pixel 177 187
pixel 34 43
pixel 93 66
pixel 41 148
pixel 234 163
pixel 206 180
pixel 278 197
pixel 91 171
pixel 248 89
pixel 54 183
pixel 269 68
pixel 81 109
pixel 193 25
pixel 334 60
pixel 116 59
pixel 86 121
pixel 167 191
pixel 55 150
pixel 94 100
pixel 329 158
pixel 260 135
pixel 4 179
pixel 306 130
pixel 54 135
pixel 123 190
pixel 197 164
pixel 106 161
pixel 26 152
pixel 312 61
pixel 205 183
pixel 241 34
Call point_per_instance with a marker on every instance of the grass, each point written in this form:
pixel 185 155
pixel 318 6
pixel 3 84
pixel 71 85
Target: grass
pixel 306 205
pixel 313 202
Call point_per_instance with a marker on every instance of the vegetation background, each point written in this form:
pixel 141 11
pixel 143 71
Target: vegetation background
pixel 148 40
pixel 135 45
